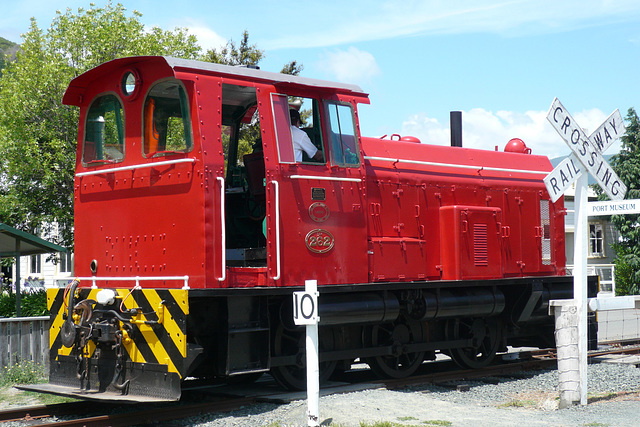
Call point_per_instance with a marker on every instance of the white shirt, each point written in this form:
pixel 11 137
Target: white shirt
pixel 302 142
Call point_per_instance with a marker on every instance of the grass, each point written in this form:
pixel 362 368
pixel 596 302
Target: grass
pixel 429 423
pixel 12 397
pixel 518 404
pixel 26 372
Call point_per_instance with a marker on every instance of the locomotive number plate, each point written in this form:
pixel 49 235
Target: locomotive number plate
pixel 319 241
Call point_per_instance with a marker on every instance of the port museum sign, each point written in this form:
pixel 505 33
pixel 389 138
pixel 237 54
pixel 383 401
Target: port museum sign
pixel 622 207
pixel 586 153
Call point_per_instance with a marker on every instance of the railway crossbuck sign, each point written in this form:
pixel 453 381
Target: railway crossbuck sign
pixel 587 153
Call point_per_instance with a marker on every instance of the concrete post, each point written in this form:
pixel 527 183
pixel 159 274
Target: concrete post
pixel 566 317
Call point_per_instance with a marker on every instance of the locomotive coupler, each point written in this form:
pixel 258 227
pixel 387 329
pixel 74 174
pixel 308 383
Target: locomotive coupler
pixel 124 387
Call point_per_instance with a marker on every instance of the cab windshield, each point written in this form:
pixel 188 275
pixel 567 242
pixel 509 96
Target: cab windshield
pixel 167 127
pixel 104 132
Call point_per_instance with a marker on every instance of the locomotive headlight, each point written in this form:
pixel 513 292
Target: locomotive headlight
pixel 106 297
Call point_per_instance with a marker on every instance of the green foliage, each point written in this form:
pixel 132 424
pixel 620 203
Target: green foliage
pixel 5 44
pixel 32 304
pixel 37 132
pixel 292 68
pixel 26 372
pixel 245 54
pixel 627 269
pixel 627 165
pixel 7 304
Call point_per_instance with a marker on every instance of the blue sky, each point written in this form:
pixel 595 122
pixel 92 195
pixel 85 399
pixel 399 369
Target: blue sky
pixel 500 63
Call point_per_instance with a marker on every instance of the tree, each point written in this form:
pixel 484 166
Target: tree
pixel 231 54
pixel 245 55
pixel 38 133
pixel 627 165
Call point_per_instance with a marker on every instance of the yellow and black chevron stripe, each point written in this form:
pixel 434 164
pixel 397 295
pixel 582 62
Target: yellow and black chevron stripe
pixel 163 343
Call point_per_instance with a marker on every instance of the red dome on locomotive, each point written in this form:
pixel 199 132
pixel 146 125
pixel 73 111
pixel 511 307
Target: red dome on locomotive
pixel 516 145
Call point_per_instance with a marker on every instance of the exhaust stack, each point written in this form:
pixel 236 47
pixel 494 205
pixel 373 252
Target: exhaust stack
pixel 455 119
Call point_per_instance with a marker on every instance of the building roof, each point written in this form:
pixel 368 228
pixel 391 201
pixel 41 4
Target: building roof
pixel 11 238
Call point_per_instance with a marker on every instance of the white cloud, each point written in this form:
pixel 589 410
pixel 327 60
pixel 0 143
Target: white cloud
pixel 207 38
pixel 351 65
pixel 378 20
pixel 484 129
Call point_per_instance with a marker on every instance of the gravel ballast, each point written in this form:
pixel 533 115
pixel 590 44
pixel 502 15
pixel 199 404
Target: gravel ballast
pixel 530 399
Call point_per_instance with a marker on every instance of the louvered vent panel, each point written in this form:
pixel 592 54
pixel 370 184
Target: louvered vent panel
pixel 545 223
pixel 480 245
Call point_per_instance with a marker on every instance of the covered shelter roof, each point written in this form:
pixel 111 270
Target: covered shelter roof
pixel 13 241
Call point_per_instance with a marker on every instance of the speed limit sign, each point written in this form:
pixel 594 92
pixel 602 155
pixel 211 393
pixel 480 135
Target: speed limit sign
pixel 305 307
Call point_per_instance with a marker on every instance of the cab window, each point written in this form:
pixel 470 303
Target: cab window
pixel 167 124
pixel 343 141
pixel 309 114
pixel 104 132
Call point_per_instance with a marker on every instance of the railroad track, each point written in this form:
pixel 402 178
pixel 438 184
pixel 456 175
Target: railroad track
pixel 536 359
pixel 154 414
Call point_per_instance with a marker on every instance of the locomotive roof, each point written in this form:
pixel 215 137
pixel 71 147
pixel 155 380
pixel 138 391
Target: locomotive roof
pixel 80 83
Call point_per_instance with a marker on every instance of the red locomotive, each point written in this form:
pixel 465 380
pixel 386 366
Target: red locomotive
pixel 188 250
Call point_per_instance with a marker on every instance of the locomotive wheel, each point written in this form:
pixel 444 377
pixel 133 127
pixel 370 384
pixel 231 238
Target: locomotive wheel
pixel 486 335
pixel 288 342
pixel 397 334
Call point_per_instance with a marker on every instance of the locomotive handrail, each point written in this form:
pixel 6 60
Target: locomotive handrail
pixel 276 185
pixel 136 279
pixel 325 178
pixel 139 166
pixel 450 165
pixel 223 229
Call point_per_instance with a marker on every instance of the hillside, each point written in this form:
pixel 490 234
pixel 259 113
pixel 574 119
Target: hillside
pixel 8 51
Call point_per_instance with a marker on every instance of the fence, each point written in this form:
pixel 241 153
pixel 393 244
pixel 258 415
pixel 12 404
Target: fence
pixel 24 339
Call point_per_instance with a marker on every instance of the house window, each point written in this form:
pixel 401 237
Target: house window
pixel 596 240
pixel 36 264
pixel 65 262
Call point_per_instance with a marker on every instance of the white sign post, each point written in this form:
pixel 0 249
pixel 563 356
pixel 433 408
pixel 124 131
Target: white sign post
pixel 587 155
pixel 305 312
